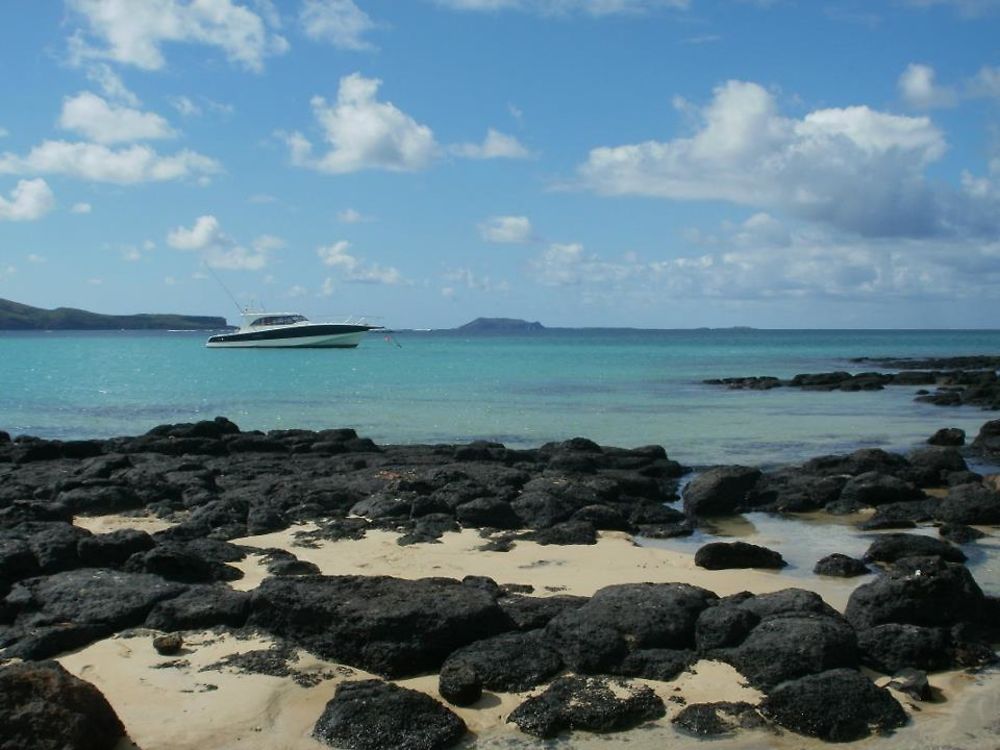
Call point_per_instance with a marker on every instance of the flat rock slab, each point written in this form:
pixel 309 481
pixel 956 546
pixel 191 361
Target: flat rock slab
pixel 375 715
pixel 592 704
pixel 390 626
pixel 44 707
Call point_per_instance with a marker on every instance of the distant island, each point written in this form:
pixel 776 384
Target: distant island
pixel 500 325
pixel 17 317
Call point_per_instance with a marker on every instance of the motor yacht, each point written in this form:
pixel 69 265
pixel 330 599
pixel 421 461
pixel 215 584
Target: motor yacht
pixel 262 330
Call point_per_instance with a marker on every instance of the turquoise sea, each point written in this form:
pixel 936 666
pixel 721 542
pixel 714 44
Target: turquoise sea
pixel 618 387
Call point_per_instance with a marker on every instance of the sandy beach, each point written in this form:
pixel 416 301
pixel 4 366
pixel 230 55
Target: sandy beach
pixel 175 703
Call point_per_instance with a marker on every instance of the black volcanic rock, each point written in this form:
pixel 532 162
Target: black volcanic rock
pixel 987 442
pixel 596 637
pixel 917 591
pixel 390 626
pixel 374 715
pixel 892 647
pixel 840 705
pixel 951 436
pixel 719 491
pixel 970 504
pixel 726 555
pixel 592 704
pixel 70 609
pixel 889 548
pixel 840 566
pixel 717 719
pixel 511 662
pixel 44 707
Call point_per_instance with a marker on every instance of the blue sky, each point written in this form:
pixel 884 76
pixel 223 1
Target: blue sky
pixel 654 163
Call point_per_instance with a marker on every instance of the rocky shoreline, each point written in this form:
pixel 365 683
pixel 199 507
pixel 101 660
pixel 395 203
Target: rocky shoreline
pixel 958 381
pixel 581 663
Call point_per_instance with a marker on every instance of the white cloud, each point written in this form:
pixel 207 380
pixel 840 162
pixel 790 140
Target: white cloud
pixel 562 7
pixel 918 89
pixel 111 84
pixel 4 132
pixel 853 168
pixel 495 145
pixel 185 106
pixel 188 107
pixel 96 162
pixel 296 291
pixel 95 281
pixel 809 265
pixel 96 119
pixel 262 198
pixel 133 33
pixel 81 208
pixel 219 250
pixel 507 229
pixel 35 258
pixel 469 279
pixel 338 22
pixel 29 200
pixel 355 269
pixel 364 133
pixel 565 264
pixel 352 216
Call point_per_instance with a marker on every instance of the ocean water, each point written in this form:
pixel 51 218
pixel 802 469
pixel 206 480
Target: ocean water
pixel 618 387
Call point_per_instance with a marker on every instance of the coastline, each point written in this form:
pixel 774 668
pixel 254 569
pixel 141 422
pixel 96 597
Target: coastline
pixel 343 513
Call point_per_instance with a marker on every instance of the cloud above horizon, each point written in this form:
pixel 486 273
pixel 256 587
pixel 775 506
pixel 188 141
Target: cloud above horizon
pixel 363 133
pixel 219 250
pixel 854 168
pixel 133 33
pixel 29 200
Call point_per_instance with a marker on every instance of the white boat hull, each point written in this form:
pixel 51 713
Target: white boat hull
pixel 325 341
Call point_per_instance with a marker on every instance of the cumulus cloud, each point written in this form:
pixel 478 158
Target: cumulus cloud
pixel 96 119
pixel 29 200
pixel 495 145
pixel 338 22
pixel 81 208
pixel 919 90
pixel 805 265
pixel 219 250
pixel 111 84
pixel 133 33
pixel 355 269
pixel 852 168
pixel 563 7
pixel 507 229
pixel 364 133
pixel 99 163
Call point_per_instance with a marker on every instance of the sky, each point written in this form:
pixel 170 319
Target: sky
pixel 646 163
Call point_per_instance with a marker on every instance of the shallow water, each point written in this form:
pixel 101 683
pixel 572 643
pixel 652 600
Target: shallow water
pixel 617 387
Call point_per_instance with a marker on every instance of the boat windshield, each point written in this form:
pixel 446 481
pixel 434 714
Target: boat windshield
pixel 278 320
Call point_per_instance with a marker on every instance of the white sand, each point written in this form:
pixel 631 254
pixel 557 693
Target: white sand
pixel 175 709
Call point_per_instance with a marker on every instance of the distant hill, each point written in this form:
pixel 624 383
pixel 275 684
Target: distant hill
pixel 17 317
pixel 500 325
